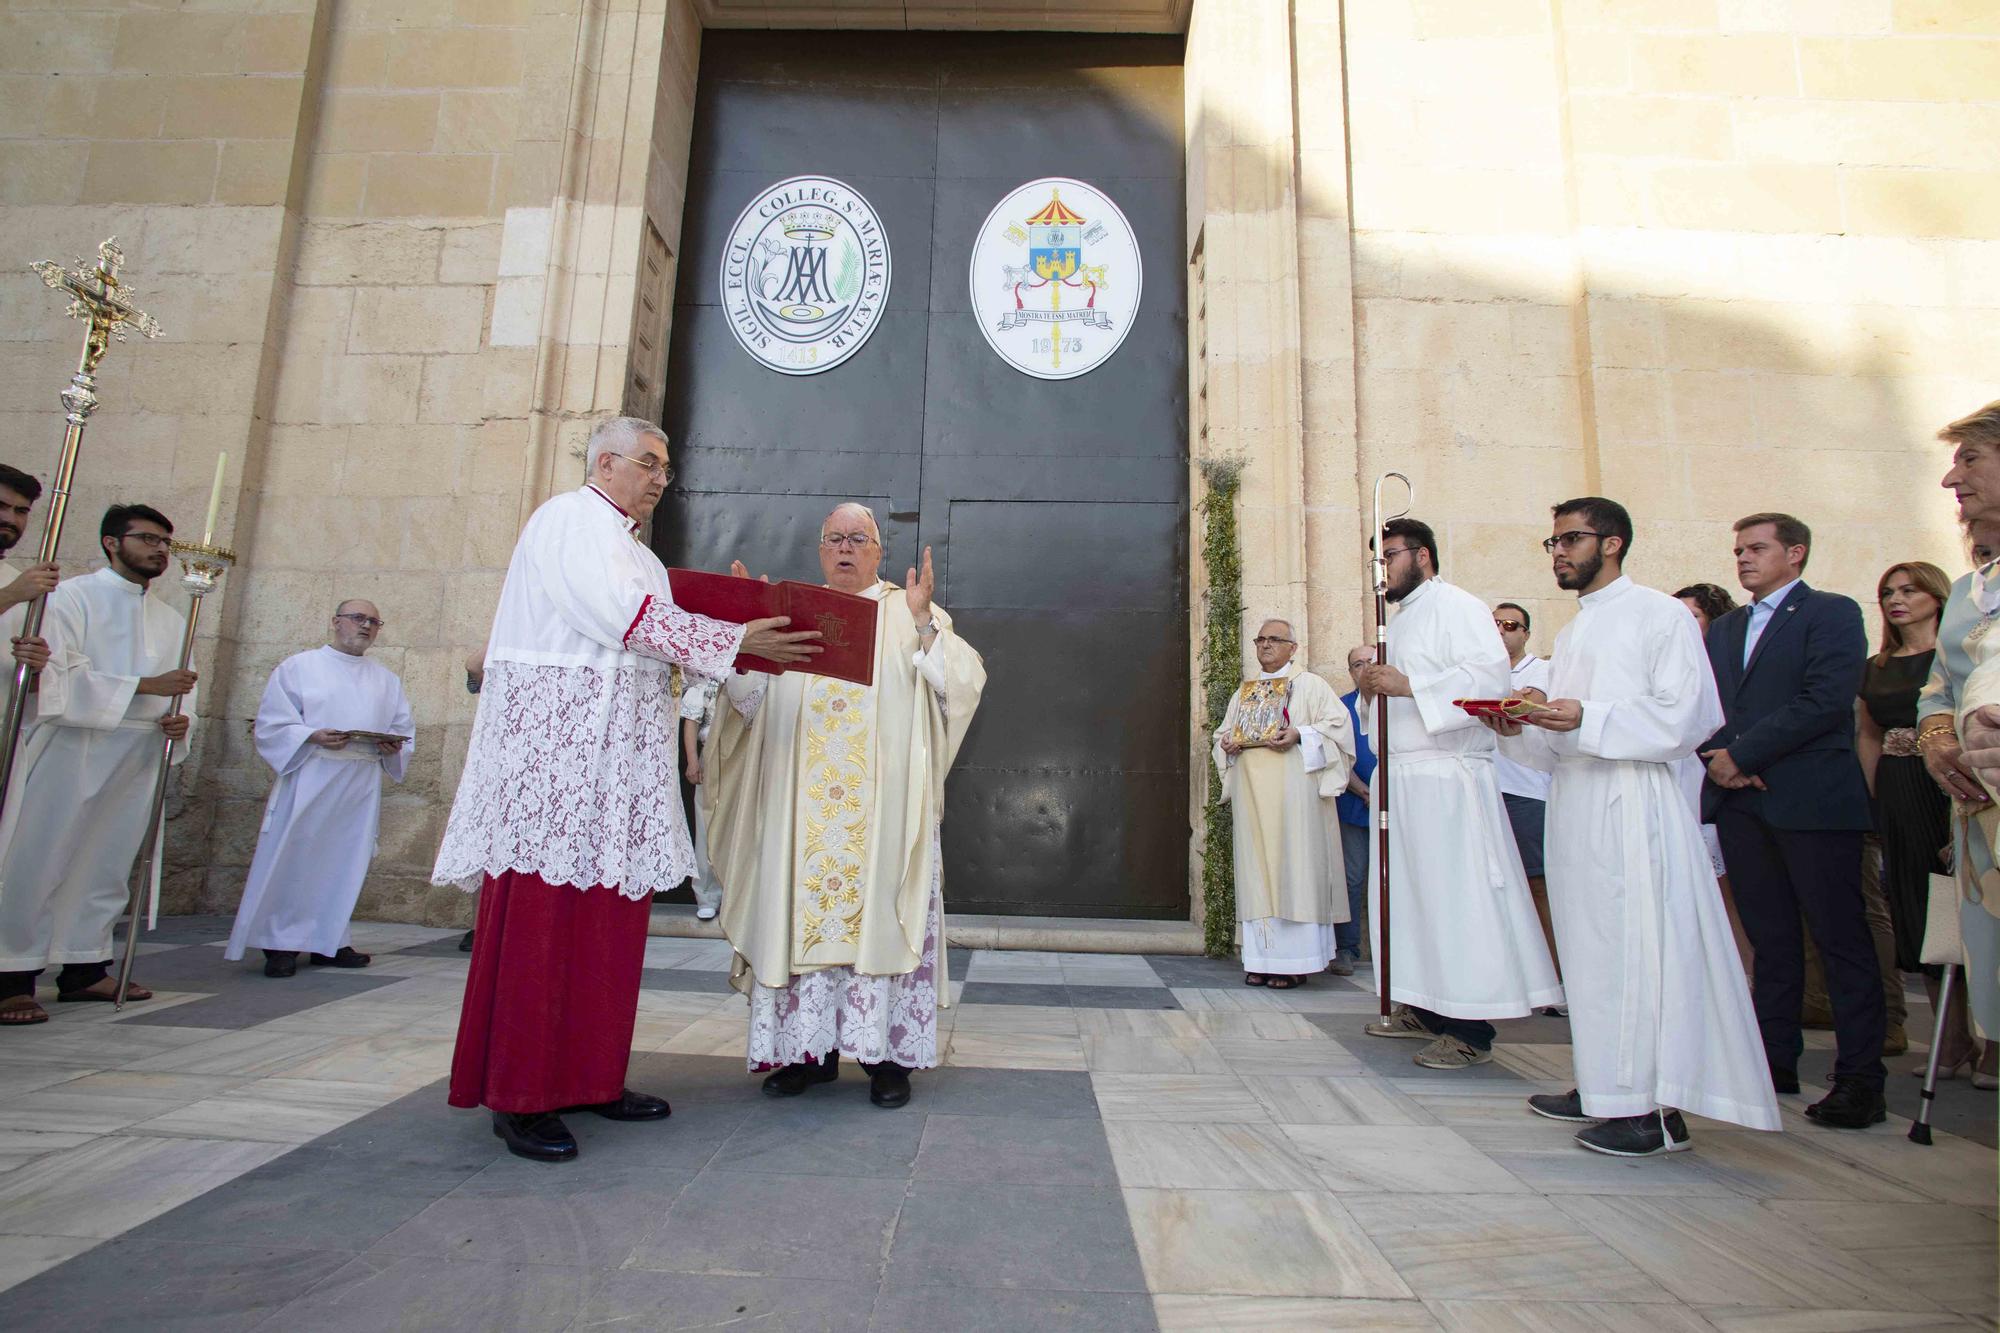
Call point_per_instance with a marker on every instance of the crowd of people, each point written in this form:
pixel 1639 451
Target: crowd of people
pixel 1693 829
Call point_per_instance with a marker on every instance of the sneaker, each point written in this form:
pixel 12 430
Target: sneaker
pixel 1343 964
pixel 1451 1053
pixel 704 913
pixel 1560 1106
pixel 1555 1011
pixel 1647 1135
pixel 1400 1023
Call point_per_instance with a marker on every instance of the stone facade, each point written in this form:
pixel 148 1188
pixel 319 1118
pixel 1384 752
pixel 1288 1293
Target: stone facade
pixel 1708 256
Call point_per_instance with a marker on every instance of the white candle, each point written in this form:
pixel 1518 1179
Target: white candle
pixel 214 501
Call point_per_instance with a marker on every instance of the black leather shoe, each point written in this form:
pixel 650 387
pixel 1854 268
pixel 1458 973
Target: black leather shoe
pixel 539 1136
pixel 629 1106
pixel 888 1084
pixel 792 1080
pixel 465 942
pixel 1853 1104
pixel 347 957
pixel 1648 1135
pixel 1785 1081
pixel 281 962
pixel 1560 1106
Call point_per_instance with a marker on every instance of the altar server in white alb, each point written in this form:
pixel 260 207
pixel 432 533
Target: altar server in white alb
pixel 321 818
pixel 1281 797
pixel 21 582
pixel 1466 944
pixel 84 780
pixel 1660 1016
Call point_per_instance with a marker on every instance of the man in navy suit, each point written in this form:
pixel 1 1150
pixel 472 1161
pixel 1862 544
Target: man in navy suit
pixel 1788 802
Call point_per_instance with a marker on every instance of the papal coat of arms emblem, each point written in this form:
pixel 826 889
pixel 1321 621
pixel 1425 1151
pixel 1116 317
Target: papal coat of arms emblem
pixel 805 274
pixel 1055 278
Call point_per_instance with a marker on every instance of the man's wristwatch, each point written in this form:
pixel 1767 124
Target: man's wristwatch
pixel 928 627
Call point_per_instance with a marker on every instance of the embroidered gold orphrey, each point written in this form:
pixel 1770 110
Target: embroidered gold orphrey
pixel 833 808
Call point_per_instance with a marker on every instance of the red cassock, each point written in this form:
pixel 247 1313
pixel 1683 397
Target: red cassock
pixel 552 997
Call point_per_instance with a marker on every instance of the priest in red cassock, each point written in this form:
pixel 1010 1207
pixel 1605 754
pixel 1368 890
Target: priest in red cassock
pixel 567 816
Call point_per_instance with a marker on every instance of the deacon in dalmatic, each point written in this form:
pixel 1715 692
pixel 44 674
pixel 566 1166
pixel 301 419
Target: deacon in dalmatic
pixel 321 817
pixel 84 780
pixel 1660 1016
pixel 825 801
pixel 566 819
pixel 1282 752
pixel 1467 943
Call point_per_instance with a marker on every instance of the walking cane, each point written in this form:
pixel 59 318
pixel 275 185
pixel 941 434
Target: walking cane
pixel 1380 568
pixel 1920 1128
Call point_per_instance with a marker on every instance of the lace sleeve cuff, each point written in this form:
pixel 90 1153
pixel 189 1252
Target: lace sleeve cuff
pixel 662 630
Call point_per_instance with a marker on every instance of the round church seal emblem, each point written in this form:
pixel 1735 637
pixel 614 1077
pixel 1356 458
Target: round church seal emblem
pixel 805 274
pixel 1055 278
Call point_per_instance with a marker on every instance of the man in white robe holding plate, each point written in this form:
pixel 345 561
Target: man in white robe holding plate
pixel 321 818
pixel 1660 1016
pixel 1468 946
pixel 1282 754
pixel 824 804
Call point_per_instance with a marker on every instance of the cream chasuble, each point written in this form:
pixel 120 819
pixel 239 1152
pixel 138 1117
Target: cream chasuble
pixel 824 801
pixel 1286 844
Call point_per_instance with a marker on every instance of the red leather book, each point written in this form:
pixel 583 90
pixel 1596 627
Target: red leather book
pixel 846 622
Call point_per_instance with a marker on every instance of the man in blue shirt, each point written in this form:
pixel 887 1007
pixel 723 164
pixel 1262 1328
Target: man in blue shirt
pixel 1353 807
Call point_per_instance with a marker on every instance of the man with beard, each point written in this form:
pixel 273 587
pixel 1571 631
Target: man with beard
pixel 18 493
pixel 1467 945
pixel 80 807
pixel 1659 1015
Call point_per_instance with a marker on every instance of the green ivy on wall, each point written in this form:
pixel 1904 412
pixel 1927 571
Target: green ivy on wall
pixel 1221 674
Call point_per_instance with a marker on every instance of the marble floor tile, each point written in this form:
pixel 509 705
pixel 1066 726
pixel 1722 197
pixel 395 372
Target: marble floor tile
pixel 24 1076
pixel 375 1291
pixel 1019 1237
pixel 105 1103
pixel 1200 999
pixel 1015 1150
pixel 1200 1314
pixel 363 1016
pixel 1398 1158
pixel 774 1226
pixel 104 1045
pixel 175 1288
pixel 1496 1247
pixel 1191 1098
pixel 1157 1154
pixel 1797 1166
pixel 21 1257
pixel 997 1050
pixel 1556 1165
pixel 253 1053
pixel 998 1310
pixel 1309 1100
pixel 18 1147
pixel 405 1062
pixel 275 1110
pixel 1031 1094
pixel 1344 1002
pixel 1735 1252
pixel 1255 1025
pixel 1108 970
pixel 1945 1250
pixel 801 1137
pixel 712 1036
pixel 106 1187
pixel 1563 1317
pixel 1256 1243
pixel 1251 1055
pixel 1785 1320
pixel 1151 1055
pixel 1025 1019
pixel 1952 1170
pixel 504 1217
pixel 1137 1023
pixel 1536 1061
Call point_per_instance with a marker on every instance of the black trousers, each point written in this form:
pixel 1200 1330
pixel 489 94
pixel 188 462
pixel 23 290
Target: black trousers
pixel 1474 1032
pixel 1777 875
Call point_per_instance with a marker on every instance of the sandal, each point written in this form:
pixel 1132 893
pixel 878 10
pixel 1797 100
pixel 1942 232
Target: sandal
pixel 1255 979
pixel 133 991
pixel 1285 982
pixel 19 1011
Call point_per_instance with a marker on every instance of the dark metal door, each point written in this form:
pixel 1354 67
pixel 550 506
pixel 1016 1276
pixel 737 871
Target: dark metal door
pixel 1057 509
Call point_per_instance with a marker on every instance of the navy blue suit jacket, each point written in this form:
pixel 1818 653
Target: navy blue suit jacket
pixel 1789 713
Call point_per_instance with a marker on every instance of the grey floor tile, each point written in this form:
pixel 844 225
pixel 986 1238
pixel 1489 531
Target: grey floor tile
pixel 242 1004
pixel 379 1291
pixel 312 1205
pixel 774 1226
pixel 684 979
pixel 632 1298
pixel 812 1136
pixel 1047 1094
pixel 1389 1058
pixel 545 1215
pixel 1122 997
pixel 1178 970
pixel 962 1310
pixel 1016 992
pixel 151 1284
pixel 1039 1237
pixel 1014 1150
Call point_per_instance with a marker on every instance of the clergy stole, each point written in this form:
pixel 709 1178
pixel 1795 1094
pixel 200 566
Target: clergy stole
pixel 823 811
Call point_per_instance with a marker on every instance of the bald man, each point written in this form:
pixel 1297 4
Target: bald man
pixel 824 801
pixel 331 725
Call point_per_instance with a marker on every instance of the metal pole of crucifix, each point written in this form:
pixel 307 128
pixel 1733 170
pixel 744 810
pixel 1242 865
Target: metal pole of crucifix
pixel 103 301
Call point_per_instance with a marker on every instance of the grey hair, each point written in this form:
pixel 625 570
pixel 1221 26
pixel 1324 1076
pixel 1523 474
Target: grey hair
pixel 342 604
pixel 617 434
pixel 1279 620
pixel 859 508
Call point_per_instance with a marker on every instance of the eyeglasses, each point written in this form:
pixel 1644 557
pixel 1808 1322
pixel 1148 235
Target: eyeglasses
pixel 1387 556
pixel 652 467
pixel 1266 640
pixel 834 541
pixel 1566 540
pixel 365 622
pixel 152 539
pixel 1508 626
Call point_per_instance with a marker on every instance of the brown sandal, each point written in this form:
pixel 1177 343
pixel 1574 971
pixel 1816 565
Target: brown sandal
pixel 1285 982
pixel 1255 979
pixel 20 1011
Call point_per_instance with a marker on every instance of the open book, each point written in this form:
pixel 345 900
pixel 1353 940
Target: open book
pixel 845 621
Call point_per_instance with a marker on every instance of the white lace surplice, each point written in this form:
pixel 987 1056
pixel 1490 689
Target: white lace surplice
pixel 865 1018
